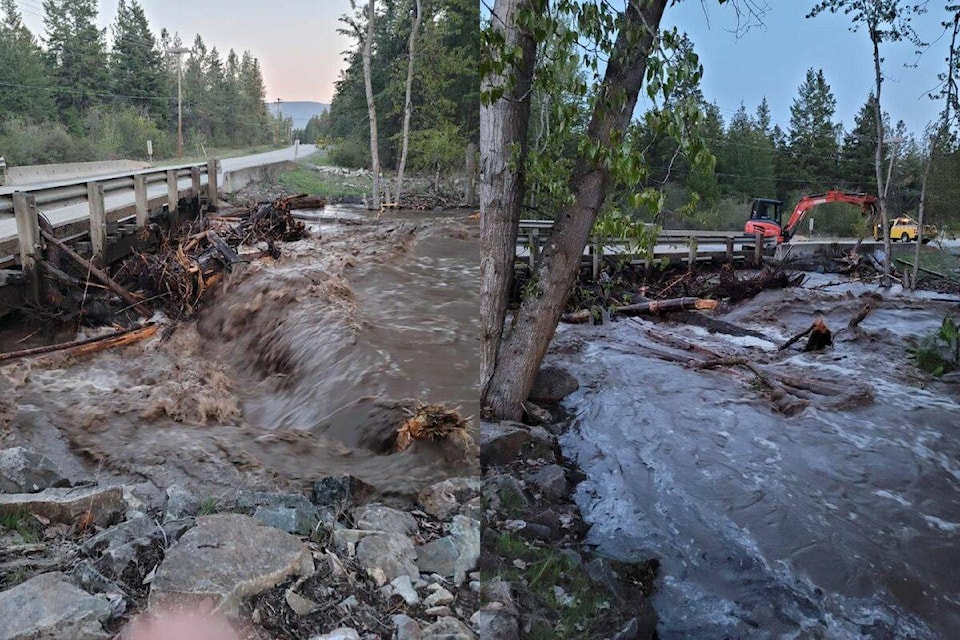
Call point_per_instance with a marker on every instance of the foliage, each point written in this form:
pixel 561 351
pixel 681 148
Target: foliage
pixel 939 352
pixel 23 66
pixel 302 180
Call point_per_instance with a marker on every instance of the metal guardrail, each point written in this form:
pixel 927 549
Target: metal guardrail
pixel 736 245
pixel 24 203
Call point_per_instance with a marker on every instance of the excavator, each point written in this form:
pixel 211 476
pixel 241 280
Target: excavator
pixel 766 214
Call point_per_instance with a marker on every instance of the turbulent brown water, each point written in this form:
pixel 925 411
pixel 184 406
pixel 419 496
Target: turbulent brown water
pixel 300 368
pixel 839 521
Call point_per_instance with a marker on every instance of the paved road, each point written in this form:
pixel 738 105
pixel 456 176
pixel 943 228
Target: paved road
pixel 73 212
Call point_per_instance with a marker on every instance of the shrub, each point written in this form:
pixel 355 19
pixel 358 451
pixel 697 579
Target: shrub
pixel 939 352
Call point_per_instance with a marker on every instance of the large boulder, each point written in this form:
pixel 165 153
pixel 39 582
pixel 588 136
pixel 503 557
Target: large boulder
pixel 376 517
pixel 48 607
pixel 551 481
pixel 553 384
pixel 387 556
pixel 24 471
pixel 101 505
pixel 226 558
pixel 340 491
pixel 501 442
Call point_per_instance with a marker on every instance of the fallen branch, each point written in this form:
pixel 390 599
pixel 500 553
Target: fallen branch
pixel 136 333
pixel 111 284
pixel 738 362
pixel 661 306
pixel 789 342
pixel 581 316
pixel 857 319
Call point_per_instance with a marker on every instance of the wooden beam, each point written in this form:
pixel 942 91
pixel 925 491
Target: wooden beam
pixel 142 204
pixel 195 188
pixel 98 222
pixel 28 235
pixel 173 199
pixel 213 193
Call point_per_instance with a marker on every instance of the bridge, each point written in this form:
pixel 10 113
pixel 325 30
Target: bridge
pixel 101 215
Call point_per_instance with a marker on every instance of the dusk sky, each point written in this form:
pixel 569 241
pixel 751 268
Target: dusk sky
pixel 296 40
pixel 301 52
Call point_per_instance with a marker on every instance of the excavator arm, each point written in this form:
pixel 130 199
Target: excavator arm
pixel 866 202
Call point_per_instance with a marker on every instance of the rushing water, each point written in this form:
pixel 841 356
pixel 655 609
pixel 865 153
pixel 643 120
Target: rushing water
pixel 839 521
pixel 299 368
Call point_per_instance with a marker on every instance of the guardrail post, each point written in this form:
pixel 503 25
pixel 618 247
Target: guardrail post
pixel 597 248
pixel 173 199
pixel 534 247
pixel 28 235
pixel 213 194
pixel 98 223
pixel 195 188
pixel 729 250
pixel 758 249
pixel 140 197
pixel 692 254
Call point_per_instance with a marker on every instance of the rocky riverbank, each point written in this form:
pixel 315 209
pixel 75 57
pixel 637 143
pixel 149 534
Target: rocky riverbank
pixel 80 560
pixel 539 578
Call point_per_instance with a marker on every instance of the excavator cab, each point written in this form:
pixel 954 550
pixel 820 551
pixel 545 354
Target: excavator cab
pixel 765 216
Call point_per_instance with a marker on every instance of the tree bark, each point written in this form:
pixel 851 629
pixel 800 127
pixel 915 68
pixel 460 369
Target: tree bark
pixel 522 348
pixel 503 129
pixel 371 106
pixel 408 104
pixel 878 158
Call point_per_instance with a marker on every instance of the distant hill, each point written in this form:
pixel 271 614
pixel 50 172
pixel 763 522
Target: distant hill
pixel 301 112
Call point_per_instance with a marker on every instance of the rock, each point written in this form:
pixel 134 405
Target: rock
pixel 504 494
pixel 403 587
pixel 343 633
pixel 406 628
pixel 601 571
pixel 225 558
pixel 103 504
pixel 346 540
pixel 300 605
pixel 376 517
pixel 87 576
pixel 439 597
pixel 447 628
pixel 287 519
pixel 180 504
pixel 496 624
pixel 48 607
pixel 436 612
pixel 445 498
pixel 500 443
pixel 340 491
pixel 119 546
pixel 24 471
pixel 551 480
pixel 452 556
pixel 498 591
pixel 174 529
pixel 553 384
pixel 387 556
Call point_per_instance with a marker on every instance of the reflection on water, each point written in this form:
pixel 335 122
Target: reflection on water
pixel 832 523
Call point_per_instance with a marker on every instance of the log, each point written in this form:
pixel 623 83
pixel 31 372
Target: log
pixel 111 284
pixel 301 201
pixel 225 250
pixel 789 342
pixel 577 317
pixel 24 353
pixel 136 335
pixel 857 319
pixel 661 306
pixel 820 337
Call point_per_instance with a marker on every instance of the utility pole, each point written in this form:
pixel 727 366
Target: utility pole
pixel 178 51
pixel 279 120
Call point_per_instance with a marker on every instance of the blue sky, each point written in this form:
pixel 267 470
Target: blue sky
pixel 772 60
pixel 295 40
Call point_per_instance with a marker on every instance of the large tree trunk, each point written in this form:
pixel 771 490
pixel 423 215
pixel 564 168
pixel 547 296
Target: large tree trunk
pixel 503 129
pixel 408 105
pixel 920 208
pixel 371 107
pixel 878 160
pixel 522 347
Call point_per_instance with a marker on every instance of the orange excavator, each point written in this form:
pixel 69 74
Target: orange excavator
pixel 766 214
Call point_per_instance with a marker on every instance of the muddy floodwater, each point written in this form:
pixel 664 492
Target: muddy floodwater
pixel 301 367
pixel 839 520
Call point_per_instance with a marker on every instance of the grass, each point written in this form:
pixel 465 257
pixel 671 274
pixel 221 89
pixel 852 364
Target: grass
pixel 23 523
pixel 935 260
pixel 581 609
pixel 208 506
pixel 302 180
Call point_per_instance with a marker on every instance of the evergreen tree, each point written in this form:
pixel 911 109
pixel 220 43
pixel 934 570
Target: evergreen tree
pixel 748 158
pixel 136 64
pixel 76 49
pixel 24 78
pixel 859 146
pixel 812 137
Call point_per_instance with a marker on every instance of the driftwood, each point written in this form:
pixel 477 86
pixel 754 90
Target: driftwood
pixel 857 319
pixel 102 276
pixel 581 316
pixel 661 306
pixel 301 201
pixel 802 334
pixel 819 336
pixel 87 345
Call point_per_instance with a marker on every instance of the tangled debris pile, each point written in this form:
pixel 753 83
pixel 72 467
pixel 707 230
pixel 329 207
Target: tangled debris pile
pixel 434 422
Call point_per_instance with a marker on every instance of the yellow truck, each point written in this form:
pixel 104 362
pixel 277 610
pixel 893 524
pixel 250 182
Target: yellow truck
pixel 905 229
